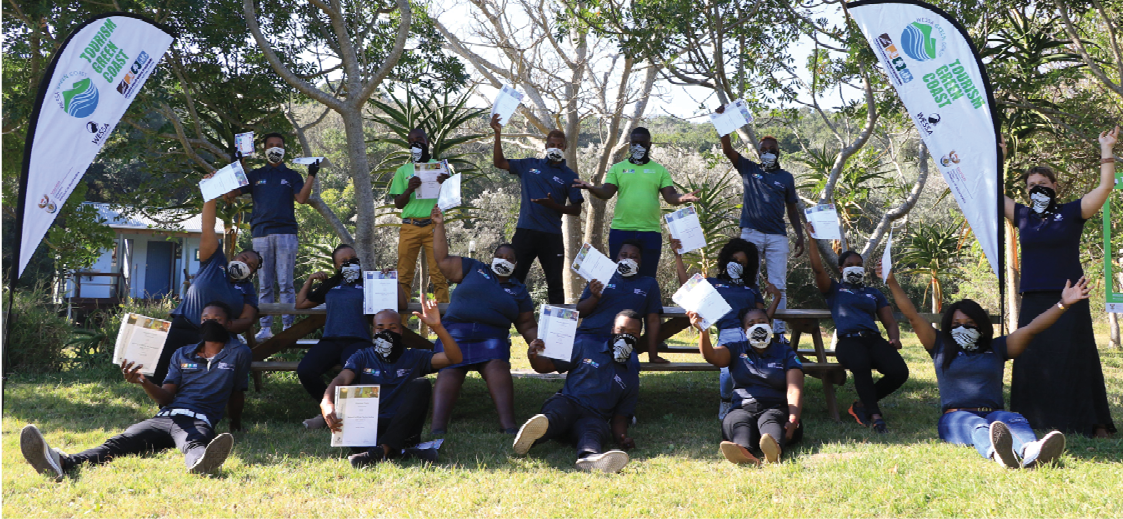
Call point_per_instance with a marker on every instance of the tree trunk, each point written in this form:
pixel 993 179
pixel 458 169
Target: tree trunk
pixel 360 178
pixel 1013 299
pixel 1113 329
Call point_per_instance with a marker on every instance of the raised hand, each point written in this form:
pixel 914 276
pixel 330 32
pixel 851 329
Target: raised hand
pixel 131 371
pixel 771 289
pixel 695 320
pixel 442 178
pixel 437 216
pixel 1109 138
pixel 810 228
pixel 1072 294
pixel 495 124
pixel 319 276
pixel 429 313
pixel 313 168
pixel 596 287
pixel 720 109
pixel 676 244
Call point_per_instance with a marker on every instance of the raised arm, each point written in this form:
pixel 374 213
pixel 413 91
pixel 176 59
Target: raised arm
pixel 208 242
pixel 1017 342
pixel 497 158
pixel 302 301
pixel 587 305
pixel 1008 203
pixel 717 356
pixel 771 290
pixel 680 267
pixel 730 153
pixel 921 326
pixel 431 316
pixel 822 278
pixel 309 183
pixel 1094 200
pixel 451 266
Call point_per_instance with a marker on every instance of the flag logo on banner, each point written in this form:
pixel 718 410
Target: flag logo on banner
pixel 920 41
pixel 891 58
pixel 142 63
pixel 46 204
pixel 76 94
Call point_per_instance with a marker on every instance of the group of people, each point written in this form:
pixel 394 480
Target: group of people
pixel 203 372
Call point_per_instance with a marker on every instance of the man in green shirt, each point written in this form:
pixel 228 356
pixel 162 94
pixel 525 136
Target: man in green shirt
pixel 640 181
pixel 417 229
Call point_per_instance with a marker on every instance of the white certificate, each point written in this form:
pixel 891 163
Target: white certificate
pixel 380 291
pixel 557 327
pixel 224 181
pixel 429 172
pixel 684 227
pixel 506 103
pixel 824 218
pixel 307 160
pixel 140 340
pixel 591 264
pixel 699 296
pixel 735 115
pixel 357 408
pixel 244 143
pixel 450 193
pixel 887 258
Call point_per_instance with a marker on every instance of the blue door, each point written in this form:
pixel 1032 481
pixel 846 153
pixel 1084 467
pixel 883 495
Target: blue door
pixel 158 269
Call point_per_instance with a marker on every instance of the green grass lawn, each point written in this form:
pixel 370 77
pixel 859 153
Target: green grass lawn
pixel 280 469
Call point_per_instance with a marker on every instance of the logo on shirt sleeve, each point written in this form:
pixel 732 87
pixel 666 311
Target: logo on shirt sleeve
pixel 188 365
pixel 372 372
pixel 535 171
pixel 483 273
pixel 260 182
pixel 592 363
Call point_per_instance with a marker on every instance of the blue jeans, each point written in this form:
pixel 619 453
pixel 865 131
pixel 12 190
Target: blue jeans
pixel 278 255
pixel 726 380
pixel 652 248
pixel 973 428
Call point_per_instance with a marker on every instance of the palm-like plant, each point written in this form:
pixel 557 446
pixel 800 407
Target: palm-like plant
pixel 933 250
pixel 717 214
pixel 863 174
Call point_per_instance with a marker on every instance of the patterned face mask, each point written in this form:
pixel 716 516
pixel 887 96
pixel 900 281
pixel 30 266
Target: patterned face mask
pixel 502 267
pixel 555 155
pixel 853 275
pixel 759 335
pixel 966 337
pixel 735 271
pixel 622 346
pixel 238 271
pixel 627 268
pixel 1044 199
pixel 638 153
pixel 351 271
pixel 388 345
pixel 274 155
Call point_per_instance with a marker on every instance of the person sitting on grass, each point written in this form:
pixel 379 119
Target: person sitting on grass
pixel 602 388
pixel 201 378
pixel 969 363
pixel 405 392
pixel 767 389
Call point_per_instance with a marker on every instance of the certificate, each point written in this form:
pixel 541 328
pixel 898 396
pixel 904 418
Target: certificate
pixel 506 103
pixel 557 327
pixel 357 408
pixel 380 291
pixel 887 258
pixel 699 296
pixel 450 193
pixel 735 115
pixel 429 172
pixel 140 340
pixel 244 143
pixel 684 227
pixel 824 218
pixel 591 264
pixel 307 160
pixel 225 180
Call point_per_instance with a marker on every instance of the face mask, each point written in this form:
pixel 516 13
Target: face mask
pixel 853 275
pixel 966 338
pixel 627 268
pixel 555 155
pixel 622 346
pixel 1044 199
pixel 351 271
pixel 238 271
pixel 735 270
pixel 388 345
pixel 759 335
pixel 274 155
pixel 418 151
pixel 768 160
pixel 502 267
pixel 639 153
pixel 213 331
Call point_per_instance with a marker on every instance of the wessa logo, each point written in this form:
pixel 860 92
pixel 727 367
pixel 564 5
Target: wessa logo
pixel 927 122
pixel 76 95
pixel 923 40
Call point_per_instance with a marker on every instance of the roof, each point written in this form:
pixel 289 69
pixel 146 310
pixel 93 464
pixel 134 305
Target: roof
pixel 168 220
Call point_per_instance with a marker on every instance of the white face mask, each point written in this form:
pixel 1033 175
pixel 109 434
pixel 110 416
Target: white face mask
pixel 555 155
pixel 627 268
pixel 759 335
pixel 274 155
pixel 502 267
pixel 1040 201
pixel 638 152
pixel 416 153
pixel 735 270
pixel 351 272
pixel 768 159
pixel 966 338
pixel 238 270
pixel 853 275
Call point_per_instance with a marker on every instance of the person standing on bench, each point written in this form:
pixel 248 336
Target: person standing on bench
pixel 404 390
pixel 201 382
pixel 970 362
pixel 416 232
pixel 546 185
pixel 767 388
pixel 627 290
pixel 216 280
pixel 598 399
pixel 737 267
pixel 488 300
pixel 860 347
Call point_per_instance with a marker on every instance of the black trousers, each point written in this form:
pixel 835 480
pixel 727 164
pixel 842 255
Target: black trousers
pixel 404 428
pixel 187 434
pixel 862 355
pixel 180 334
pixel 550 251
pixel 319 359
pixel 746 428
pixel 574 425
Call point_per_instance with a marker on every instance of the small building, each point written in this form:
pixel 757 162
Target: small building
pixel 150 258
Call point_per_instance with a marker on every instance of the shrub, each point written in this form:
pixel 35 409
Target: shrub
pixel 92 347
pixel 37 335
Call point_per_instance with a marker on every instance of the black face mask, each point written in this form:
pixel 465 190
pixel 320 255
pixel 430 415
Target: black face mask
pixel 1042 200
pixel 424 156
pixel 622 344
pixel 388 345
pixel 638 153
pixel 350 271
pixel 213 331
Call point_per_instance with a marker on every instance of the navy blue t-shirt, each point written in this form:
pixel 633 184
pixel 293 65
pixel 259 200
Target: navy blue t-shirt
pixel 974 379
pixel 370 369
pixel 766 196
pixel 212 284
pixel 480 298
pixel 761 377
pixel 739 298
pixel 598 383
pixel 854 308
pixel 639 293
pixel 344 308
pixel 274 190
pixel 205 385
pixel 1050 246
pixel 540 177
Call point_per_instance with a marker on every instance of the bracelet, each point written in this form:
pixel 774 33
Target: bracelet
pixel 1108 160
pixel 1061 305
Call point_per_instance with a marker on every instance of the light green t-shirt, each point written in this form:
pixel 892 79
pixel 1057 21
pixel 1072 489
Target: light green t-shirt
pixel 637 208
pixel 415 208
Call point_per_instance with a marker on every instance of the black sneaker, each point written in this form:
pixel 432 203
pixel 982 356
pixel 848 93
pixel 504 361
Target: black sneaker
pixel 424 455
pixel 879 426
pixel 858 411
pixel 367 458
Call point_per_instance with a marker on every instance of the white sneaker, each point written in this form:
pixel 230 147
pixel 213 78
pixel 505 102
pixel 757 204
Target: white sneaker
pixel 723 409
pixel 530 432
pixel 264 335
pixel 214 456
pixel 1045 450
pixel 41 456
pixel 609 462
pixel 1002 443
pixel 770 447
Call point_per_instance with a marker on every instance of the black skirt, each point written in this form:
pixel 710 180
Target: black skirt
pixel 1058 382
